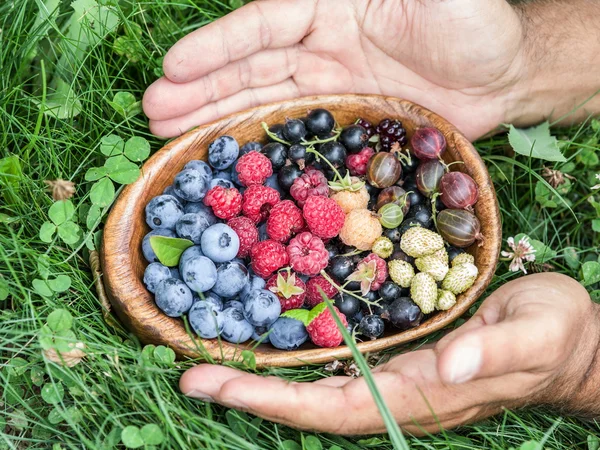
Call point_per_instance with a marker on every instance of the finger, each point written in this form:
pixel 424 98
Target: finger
pixel 165 100
pixel 254 27
pixel 247 98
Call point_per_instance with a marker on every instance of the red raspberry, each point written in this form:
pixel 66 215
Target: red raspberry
pixel 225 202
pixel 313 295
pixel 289 288
pixel 268 256
pixel 323 330
pixel 308 254
pixel 258 201
pixel 324 217
pixel 246 231
pixel 357 163
pixel 313 182
pixel 253 168
pixel 284 221
pixel 370 276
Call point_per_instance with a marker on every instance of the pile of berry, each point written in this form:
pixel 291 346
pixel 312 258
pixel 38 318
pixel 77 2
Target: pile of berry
pixel 374 222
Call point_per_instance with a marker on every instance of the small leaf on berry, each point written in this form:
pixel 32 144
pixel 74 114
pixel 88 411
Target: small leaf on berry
pixel 299 314
pixel 168 250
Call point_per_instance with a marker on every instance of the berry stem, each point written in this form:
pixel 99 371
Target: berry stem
pixel 318 155
pixel 345 291
pixel 336 135
pixel 273 135
pixel 434 209
pixel 447 166
pixel 201 295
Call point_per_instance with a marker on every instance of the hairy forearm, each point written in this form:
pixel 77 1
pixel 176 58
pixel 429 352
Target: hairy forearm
pixel 562 62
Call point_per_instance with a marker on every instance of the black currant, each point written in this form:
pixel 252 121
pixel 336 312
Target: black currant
pixel 404 313
pixel 409 166
pixel 340 268
pixel 294 130
pixel 439 204
pixel 332 249
pixel 319 122
pixel 277 130
pixel 390 291
pixel 347 304
pixel 453 252
pixel 334 152
pixel 277 153
pixel 416 198
pixel 408 223
pixel 297 152
pixel 393 234
pixel 354 138
pixel 399 254
pixel 287 175
pixel 422 214
pixel 250 146
pixel 372 296
pixel 371 326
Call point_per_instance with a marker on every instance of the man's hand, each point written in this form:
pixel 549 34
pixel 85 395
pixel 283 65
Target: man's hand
pixel 459 58
pixel 533 341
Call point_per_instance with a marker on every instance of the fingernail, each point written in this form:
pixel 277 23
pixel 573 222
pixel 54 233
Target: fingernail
pixel 466 362
pixel 200 396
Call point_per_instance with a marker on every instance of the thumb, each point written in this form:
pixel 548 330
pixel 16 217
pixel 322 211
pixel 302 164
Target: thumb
pixel 517 344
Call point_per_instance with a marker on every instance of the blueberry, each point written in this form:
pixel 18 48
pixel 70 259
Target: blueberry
pixel 354 138
pixel 202 209
pixel 222 152
pixel 294 130
pixel 319 122
pixel 191 226
pixel 261 334
pixel 277 153
pixel 254 282
pixel 231 279
pixel 236 328
pixel 220 182
pixel 190 185
pixel 220 243
pixel 287 333
pixel 205 320
pixel 404 313
pixel 147 248
pixel 261 307
pixel 175 272
pixel 250 147
pixel 201 167
pixel 233 304
pixel 198 272
pixel 190 252
pixel 262 232
pixel 224 174
pixel 163 211
pixel 170 190
pixel 347 304
pixel 213 299
pixel 173 297
pixel 235 176
pixel 273 183
pixel 154 274
pixel 371 326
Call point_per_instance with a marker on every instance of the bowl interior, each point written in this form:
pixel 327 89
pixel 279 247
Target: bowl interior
pixel 124 264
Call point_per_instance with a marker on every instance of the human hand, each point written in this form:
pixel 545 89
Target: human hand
pixel 459 58
pixel 533 341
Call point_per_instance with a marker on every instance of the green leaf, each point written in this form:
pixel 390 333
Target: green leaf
pixel 592 441
pixel 131 437
pixel 59 320
pixel 64 340
pixel 137 148
pixel 536 142
pixel 128 47
pixel 95 173
pixel 312 443
pixel 125 104
pixel 60 284
pixel 290 445
pixel 37 376
pixel 10 171
pixel 237 421
pixel 111 145
pixel 168 250
pixel 74 414
pixel 571 255
pixel 530 445
pixel 55 416
pixel 42 288
pixel 61 102
pixel 3 289
pixel 316 311
pixel 235 4
pixel 595 296
pixel 61 211
pixel 371 442
pixel 102 193
pixel 543 253
pixel 152 434
pixel 93 217
pixel 69 232
pixel 590 273
pixel 164 355
pixel 596 225
pixel 43 266
pixel 298 314
pixel 47 231
pixel 121 170
pixel 544 196
pixel 588 157
pixel 53 393
pixel 46 337
pixel 249 359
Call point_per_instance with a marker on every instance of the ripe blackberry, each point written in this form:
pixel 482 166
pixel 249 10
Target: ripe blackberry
pixel 368 126
pixel 391 131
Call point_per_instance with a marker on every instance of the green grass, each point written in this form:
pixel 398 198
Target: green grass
pixel 119 384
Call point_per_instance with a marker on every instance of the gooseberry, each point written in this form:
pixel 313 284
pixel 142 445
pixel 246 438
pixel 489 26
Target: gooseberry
pixel 383 170
pixel 393 194
pixel 390 215
pixel 459 228
pixel 458 190
pixel 428 143
pixel 428 176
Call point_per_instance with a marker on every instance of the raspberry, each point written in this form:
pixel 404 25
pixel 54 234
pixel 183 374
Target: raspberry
pixel 308 254
pixel 380 274
pixel 323 216
pixel 323 330
pixel 368 126
pixel 313 295
pixel 258 201
pixel 361 229
pixel 289 288
pixel 350 200
pixel 253 168
pixel 357 162
pixel 371 272
pixel 267 256
pixel 313 182
pixel 246 231
pixel 225 202
pixel 391 131
pixel 284 221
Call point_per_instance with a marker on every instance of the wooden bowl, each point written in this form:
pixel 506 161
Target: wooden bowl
pixel 123 262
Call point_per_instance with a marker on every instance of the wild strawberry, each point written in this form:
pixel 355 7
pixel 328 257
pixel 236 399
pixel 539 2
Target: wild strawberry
pixel 284 221
pixel 308 254
pixel 313 294
pixel 463 258
pixel 322 328
pixel 419 241
pixel 357 163
pixel 401 272
pixel 289 288
pixel 246 231
pixel 253 168
pixel 383 247
pixel 323 216
pixel 312 182
pixel 423 291
pixel 435 264
pixel 225 202
pixel 370 272
pixel 258 201
pixel 360 229
pixel 267 256
pixel 460 278
pixel 445 300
